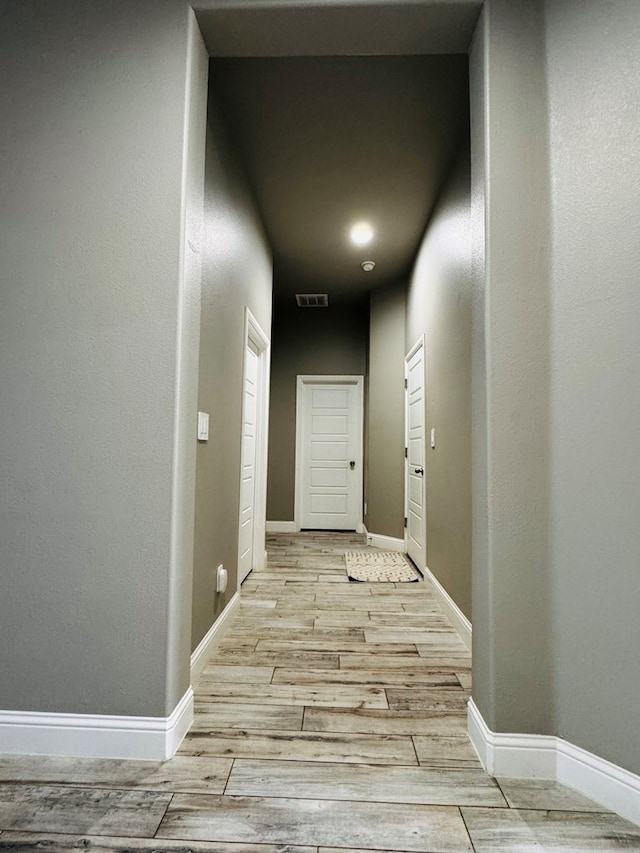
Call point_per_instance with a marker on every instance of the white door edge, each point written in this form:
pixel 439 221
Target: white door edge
pixel 420 344
pixel 326 379
pixel 254 334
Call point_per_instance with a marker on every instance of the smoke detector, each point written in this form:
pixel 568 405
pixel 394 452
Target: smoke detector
pixel 367 266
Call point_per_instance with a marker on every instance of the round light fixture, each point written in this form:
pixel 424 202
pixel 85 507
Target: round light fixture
pixel 367 266
pixel 361 233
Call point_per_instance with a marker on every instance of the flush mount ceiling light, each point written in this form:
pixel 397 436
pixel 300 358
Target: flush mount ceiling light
pixel 361 233
pixel 367 266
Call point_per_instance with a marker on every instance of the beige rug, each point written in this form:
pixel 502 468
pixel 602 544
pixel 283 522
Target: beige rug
pixel 379 566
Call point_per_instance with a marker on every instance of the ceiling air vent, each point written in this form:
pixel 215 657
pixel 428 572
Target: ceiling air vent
pixel 312 300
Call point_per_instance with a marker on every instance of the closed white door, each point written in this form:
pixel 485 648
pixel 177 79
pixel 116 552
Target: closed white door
pixel 415 481
pixel 248 461
pixel 253 449
pixel 329 463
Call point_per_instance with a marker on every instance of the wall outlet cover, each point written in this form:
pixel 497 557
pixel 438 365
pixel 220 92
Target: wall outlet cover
pixel 203 426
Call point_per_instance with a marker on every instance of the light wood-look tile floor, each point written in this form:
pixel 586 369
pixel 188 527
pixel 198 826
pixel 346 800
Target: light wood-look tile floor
pixel 331 719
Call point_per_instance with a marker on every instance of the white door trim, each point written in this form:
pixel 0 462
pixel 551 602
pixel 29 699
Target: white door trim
pixel 302 381
pixel 254 334
pixel 419 344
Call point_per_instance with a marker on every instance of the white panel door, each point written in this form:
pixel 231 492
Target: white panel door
pixel 330 447
pixel 415 484
pixel 248 461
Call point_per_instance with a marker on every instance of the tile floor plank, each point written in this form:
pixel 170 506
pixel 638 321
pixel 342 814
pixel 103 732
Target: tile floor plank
pixel 51 808
pixel 362 782
pixel 438 639
pixel 317 644
pixel 298 659
pixel 326 695
pixel 447 661
pixel 427 621
pixel 372 604
pixel 352 850
pixel 237 715
pixel 384 661
pixel 22 842
pixel 250 625
pixel 386 722
pixel 237 673
pixel 396 678
pixel 523 831
pixel 426 699
pixel 542 794
pixel 355 618
pixel 184 773
pixel 326 639
pixel 437 751
pixel 302 746
pixel 412 828
pixel 342 617
pixel 432 649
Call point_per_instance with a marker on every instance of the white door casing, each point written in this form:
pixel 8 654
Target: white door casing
pixel 415 476
pixel 329 477
pixel 253 452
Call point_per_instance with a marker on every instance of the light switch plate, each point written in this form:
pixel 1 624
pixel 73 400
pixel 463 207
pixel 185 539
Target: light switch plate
pixel 203 426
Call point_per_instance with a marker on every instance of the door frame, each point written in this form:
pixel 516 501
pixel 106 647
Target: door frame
pixel 254 334
pixel 302 382
pixel 419 344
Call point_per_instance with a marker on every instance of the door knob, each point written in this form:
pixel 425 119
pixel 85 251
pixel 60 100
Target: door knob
pixel 352 464
pixel 418 470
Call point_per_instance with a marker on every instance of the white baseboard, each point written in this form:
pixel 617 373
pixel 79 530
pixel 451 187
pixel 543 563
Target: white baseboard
pixel 546 757
pixel 387 543
pixel 211 639
pixel 96 735
pixel 527 756
pixel 179 723
pixel 282 527
pixel 456 616
pixel 599 779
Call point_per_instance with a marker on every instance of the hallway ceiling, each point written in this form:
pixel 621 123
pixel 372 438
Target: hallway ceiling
pixel 329 141
pixel 336 27
pixel 342 111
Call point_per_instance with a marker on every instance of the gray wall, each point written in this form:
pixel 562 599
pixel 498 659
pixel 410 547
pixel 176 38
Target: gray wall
pixel 479 479
pixel 98 302
pixel 594 77
pixel 305 341
pixel 439 305
pixel 187 357
pixel 556 357
pixel 384 490
pixel 237 272
pixel 513 651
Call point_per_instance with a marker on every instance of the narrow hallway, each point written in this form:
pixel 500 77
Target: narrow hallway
pixel 332 718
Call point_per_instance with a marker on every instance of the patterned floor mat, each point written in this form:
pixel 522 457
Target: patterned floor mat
pixel 379 566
